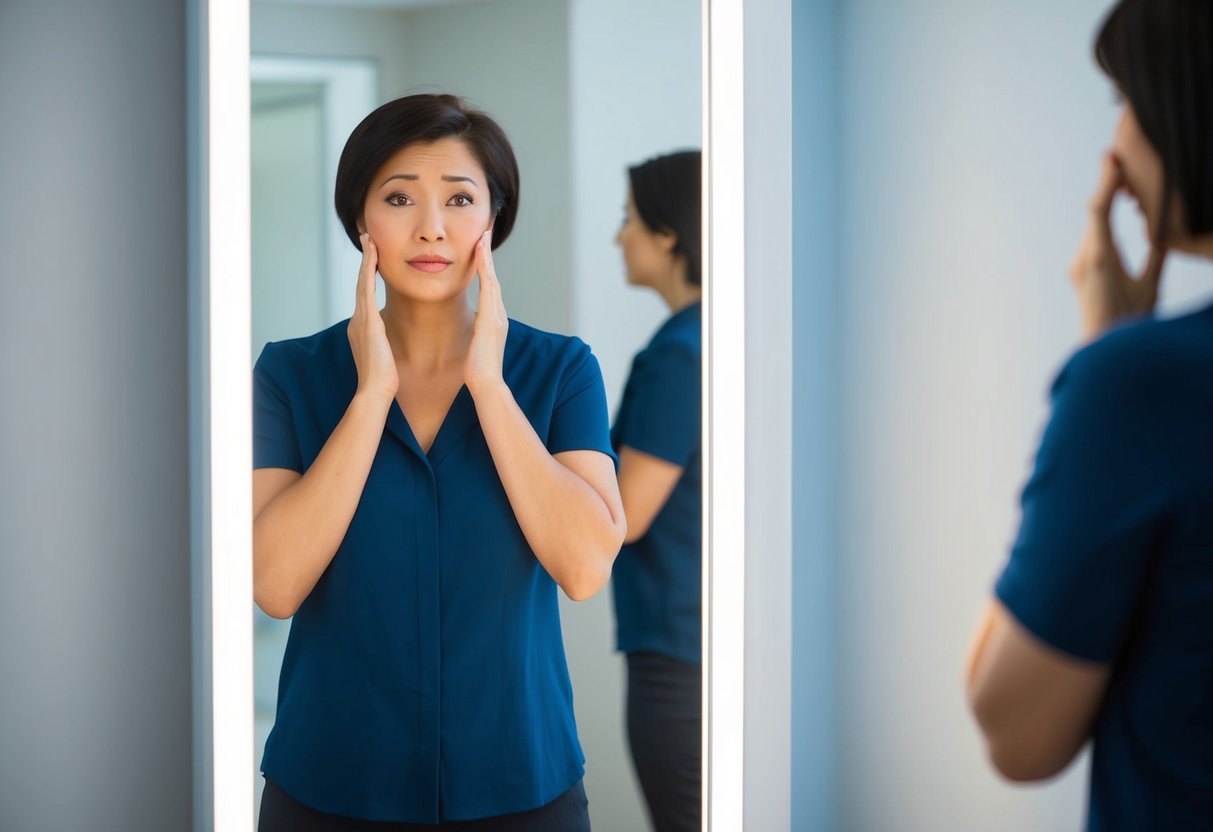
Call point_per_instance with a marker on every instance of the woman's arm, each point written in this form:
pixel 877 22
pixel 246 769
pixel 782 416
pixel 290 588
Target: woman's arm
pixel 567 505
pixel 645 484
pixel 300 520
pixel 1034 704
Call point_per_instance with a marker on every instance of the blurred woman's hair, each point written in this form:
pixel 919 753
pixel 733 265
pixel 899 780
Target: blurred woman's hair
pixel 667 193
pixel 1160 55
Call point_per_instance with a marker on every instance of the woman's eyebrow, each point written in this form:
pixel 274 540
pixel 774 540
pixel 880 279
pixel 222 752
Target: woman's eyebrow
pixel 412 177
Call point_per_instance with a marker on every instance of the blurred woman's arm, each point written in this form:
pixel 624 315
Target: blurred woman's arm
pixel 645 484
pixel 1034 704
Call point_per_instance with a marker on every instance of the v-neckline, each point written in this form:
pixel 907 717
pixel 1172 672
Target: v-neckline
pixel 459 419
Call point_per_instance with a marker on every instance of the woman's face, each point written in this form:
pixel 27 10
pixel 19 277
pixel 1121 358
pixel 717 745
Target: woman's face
pixel 1143 175
pixel 647 254
pixel 426 209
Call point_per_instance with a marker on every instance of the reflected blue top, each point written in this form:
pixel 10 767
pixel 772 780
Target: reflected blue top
pixel 1114 563
pixel 656 580
pixel 424 678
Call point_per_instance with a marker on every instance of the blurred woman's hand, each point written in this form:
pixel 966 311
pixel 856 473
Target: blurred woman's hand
pixel 485 355
pixel 1106 292
pixel 377 374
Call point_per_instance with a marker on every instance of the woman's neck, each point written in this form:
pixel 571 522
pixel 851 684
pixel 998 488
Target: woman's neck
pixel 675 290
pixel 429 337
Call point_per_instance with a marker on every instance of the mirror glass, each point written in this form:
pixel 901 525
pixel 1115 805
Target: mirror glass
pixel 583 89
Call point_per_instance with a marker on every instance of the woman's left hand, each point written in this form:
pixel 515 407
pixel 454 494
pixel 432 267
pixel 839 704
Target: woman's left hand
pixel 1106 292
pixel 483 365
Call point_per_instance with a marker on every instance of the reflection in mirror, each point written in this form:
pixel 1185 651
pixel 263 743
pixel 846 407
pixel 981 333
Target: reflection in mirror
pixel 657 577
pixel 576 123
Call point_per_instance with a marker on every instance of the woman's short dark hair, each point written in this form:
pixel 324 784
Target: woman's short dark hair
pixel 667 193
pixel 1160 55
pixel 425 118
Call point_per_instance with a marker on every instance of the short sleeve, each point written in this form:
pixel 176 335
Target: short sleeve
pixel 663 404
pixel 579 417
pixel 275 443
pixel 1093 510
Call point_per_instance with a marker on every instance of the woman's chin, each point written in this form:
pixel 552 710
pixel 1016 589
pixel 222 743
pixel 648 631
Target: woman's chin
pixel 427 289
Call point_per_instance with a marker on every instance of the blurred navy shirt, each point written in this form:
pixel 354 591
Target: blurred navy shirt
pixel 1114 563
pixel 656 580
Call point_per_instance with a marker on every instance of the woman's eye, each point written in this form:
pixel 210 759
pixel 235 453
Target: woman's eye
pixel 460 200
pixel 399 200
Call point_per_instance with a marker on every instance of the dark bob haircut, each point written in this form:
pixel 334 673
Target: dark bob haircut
pixel 425 118
pixel 667 193
pixel 1159 53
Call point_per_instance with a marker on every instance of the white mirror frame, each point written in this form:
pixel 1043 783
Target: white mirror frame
pixel 747 501
pixel 723 415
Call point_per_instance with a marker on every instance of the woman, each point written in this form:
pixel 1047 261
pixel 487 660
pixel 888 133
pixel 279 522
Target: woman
pixel 657 436
pixel 425 478
pixel 1102 624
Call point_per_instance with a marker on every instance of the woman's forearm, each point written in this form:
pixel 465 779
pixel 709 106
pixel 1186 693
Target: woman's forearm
pixel 571 527
pixel 297 533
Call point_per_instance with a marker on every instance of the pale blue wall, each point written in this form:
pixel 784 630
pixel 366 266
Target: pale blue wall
pixel 814 301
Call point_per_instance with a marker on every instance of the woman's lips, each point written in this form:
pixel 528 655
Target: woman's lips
pixel 431 265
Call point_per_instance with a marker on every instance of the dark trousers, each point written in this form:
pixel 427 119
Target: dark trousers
pixel 665 703
pixel 282 813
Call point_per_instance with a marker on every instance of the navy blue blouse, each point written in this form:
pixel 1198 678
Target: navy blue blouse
pixel 656 579
pixel 424 678
pixel 1114 563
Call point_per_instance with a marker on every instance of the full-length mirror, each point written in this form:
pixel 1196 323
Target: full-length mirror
pixel 589 255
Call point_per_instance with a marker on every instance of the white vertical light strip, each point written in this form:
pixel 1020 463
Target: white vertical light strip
pixel 724 417
pixel 229 401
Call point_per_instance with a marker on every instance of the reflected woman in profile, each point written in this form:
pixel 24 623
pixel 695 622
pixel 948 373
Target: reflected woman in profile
pixel 426 477
pixel 1102 623
pixel 656 433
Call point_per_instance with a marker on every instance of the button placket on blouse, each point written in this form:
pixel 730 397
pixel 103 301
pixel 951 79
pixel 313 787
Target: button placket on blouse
pixel 429 648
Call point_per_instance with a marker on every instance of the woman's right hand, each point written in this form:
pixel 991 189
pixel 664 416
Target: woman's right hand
pixel 377 375
pixel 1106 291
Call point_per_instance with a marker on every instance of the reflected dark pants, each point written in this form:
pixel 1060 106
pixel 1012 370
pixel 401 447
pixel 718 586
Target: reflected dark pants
pixel 282 813
pixel 665 702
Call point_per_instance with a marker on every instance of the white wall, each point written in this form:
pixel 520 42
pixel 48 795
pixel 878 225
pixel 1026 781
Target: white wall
pixel 95 696
pixel 970 136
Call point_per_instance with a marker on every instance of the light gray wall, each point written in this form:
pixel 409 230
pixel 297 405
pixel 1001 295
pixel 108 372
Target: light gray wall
pixel 290 29
pixel 95 703
pixel 291 202
pixel 970 136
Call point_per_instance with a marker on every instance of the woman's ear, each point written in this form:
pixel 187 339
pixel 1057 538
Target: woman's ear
pixel 360 224
pixel 667 239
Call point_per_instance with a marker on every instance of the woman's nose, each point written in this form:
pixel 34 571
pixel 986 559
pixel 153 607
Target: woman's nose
pixel 430 229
